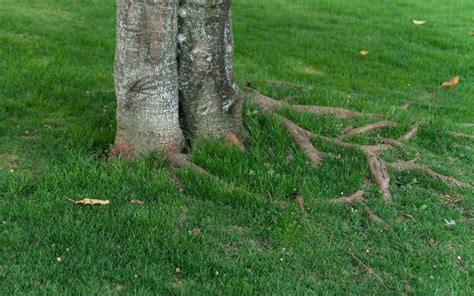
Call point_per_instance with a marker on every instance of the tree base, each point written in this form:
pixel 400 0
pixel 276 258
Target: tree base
pixel 303 138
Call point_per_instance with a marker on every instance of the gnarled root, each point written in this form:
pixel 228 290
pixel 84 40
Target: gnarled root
pixel 368 128
pixel 378 170
pixel 373 217
pixel 412 165
pixel 301 137
pixel 359 196
pixel 410 134
pixel 182 160
pixel 270 104
pixel 461 135
pixel 354 197
pixel 340 112
pixel 234 140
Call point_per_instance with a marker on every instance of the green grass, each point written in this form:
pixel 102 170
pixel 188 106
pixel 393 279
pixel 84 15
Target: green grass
pixel 57 124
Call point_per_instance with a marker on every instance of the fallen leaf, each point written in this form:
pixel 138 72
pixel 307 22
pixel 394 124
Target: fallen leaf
pixel 431 242
pixel 92 201
pixel 452 82
pixel 449 222
pixel 364 52
pixel 196 230
pixel 419 22
pixel 136 201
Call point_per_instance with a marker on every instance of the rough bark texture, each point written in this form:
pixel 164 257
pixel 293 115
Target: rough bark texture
pixel 210 102
pixel 146 77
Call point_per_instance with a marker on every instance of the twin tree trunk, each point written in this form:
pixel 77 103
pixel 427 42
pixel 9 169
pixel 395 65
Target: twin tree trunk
pixel 173 74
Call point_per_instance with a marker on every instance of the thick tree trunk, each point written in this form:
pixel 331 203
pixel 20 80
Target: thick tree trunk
pixel 146 77
pixel 158 87
pixel 210 103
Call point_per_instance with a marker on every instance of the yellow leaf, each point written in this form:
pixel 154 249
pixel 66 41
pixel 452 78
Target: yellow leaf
pixel 419 22
pixel 136 201
pixel 92 201
pixel 471 34
pixel 452 82
pixel 364 52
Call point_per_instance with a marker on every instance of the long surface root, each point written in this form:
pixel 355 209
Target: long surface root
pixel 368 128
pixel 354 197
pixel 378 170
pixel 300 136
pixel 412 165
pixel 270 104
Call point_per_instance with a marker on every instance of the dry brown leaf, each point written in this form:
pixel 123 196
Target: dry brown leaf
pixel 364 52
pixel 452 82
pixel 451 199
pixel 92 201
pixel 419 22
pixel 300 204
pixel 136 201
pixel 234 140
pixel 196 230
pixel 431 242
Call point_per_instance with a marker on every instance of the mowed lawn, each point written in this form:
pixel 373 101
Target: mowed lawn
pixel 57 107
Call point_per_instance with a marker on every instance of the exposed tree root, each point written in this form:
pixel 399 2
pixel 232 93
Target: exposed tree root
pixel 374 218
pixel 182 160
pixel 299 202
pixel 177 182
pixel 378 170
pixel 234 140
pixel 340 112
pixel 301 137
pixel 404 106
pixel 410 134
pixel 359 196
pixel 377 165
pixel 270 104
pixel 368 269
pixel 392 142
pixel 276 83
pixel 368 128
pixel 354 197
pixel 412 165
pixel 462 135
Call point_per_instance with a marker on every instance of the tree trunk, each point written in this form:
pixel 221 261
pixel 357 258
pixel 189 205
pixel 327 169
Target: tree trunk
pixel 209 98
pixel 146 77
pixel 153 95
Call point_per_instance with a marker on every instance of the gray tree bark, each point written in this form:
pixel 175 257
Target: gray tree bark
pixel 149 83
pixel 209 97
